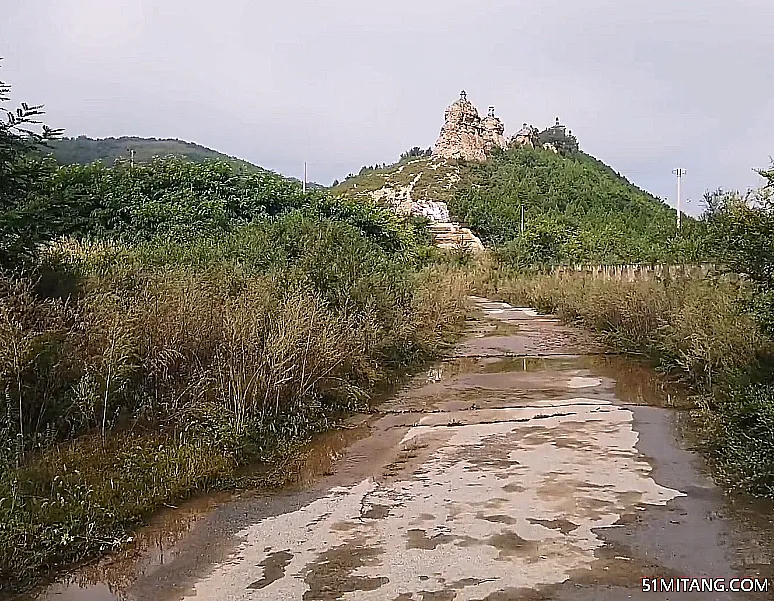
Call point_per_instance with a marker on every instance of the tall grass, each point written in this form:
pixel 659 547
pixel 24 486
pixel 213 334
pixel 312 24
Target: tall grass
pixel 166 368
pixel 698 330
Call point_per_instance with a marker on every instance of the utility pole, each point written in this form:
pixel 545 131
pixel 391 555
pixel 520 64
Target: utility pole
pixel 131 158
pixel 522 219
pixel 679 173
pixel 304 186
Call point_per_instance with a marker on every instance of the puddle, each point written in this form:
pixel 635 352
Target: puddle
pixel 154 546
pixel 317 458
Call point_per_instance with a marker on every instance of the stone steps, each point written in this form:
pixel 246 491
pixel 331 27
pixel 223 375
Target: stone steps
pixel 452 236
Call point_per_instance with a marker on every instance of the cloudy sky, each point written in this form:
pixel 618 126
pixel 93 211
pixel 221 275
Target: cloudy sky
pixel 645 85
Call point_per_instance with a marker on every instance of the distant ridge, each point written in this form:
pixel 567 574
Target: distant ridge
pixel 84 150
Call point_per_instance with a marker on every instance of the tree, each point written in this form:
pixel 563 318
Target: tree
pixel 22 180
pixel 741 229
pixel 416 152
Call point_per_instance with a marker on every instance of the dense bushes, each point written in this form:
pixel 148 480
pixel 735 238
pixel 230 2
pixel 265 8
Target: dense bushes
pixel 23 179
pixel 168 196
pixel 742 232
pixel 173 364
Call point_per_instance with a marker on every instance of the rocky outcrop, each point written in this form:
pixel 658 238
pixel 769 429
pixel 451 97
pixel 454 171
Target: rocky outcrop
pixel 527 137
pixel 494 131
pixel 434 211
pixel 465 135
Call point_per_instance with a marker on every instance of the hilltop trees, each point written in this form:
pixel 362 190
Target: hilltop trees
pixel 84 150
pixel 416 152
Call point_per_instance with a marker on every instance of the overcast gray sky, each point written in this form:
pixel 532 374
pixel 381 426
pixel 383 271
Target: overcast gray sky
pixel 645 85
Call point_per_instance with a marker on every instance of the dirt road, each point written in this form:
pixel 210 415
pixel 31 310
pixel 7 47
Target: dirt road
pixel 526 466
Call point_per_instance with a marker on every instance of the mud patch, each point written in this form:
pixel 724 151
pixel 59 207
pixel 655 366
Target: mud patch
pixel 418 539
pixel 563 526
pixel 511 544
pixel 331 575
pixel 499 519
pixel 273 569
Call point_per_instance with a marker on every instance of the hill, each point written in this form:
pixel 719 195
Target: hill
pixel 84 150
pixel 576 208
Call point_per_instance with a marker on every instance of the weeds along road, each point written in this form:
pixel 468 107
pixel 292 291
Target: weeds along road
pixel 527 465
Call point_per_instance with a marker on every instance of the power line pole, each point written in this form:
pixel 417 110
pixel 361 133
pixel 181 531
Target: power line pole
pixel 522 219
pixel 304 186
pixel 679 173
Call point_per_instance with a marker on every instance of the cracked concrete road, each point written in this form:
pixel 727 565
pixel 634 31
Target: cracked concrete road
pixel 527 465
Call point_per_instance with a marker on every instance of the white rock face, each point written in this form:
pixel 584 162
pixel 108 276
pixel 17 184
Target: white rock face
pixel 434 211
pixel 401 200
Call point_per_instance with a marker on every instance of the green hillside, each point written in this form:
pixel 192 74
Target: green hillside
pixel 84 150
pixel 421 178
pixel 576 208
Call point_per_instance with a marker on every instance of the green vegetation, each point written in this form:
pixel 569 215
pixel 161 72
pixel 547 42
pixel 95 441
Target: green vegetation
pixel 416 152
pixel 426 178
pixel 576 210
pixel 742 232
pixel 166 324
pixel 559 138
pixel 23 179
pixel 84 151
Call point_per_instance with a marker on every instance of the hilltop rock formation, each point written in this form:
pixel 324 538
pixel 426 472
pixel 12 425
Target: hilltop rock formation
pixel 494 131
pixel 465 136
pixel 422 182
pixel 527 137
pixel 557 139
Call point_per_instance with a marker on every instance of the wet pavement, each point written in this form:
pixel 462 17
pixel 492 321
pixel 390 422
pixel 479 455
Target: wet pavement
pixel 528 465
